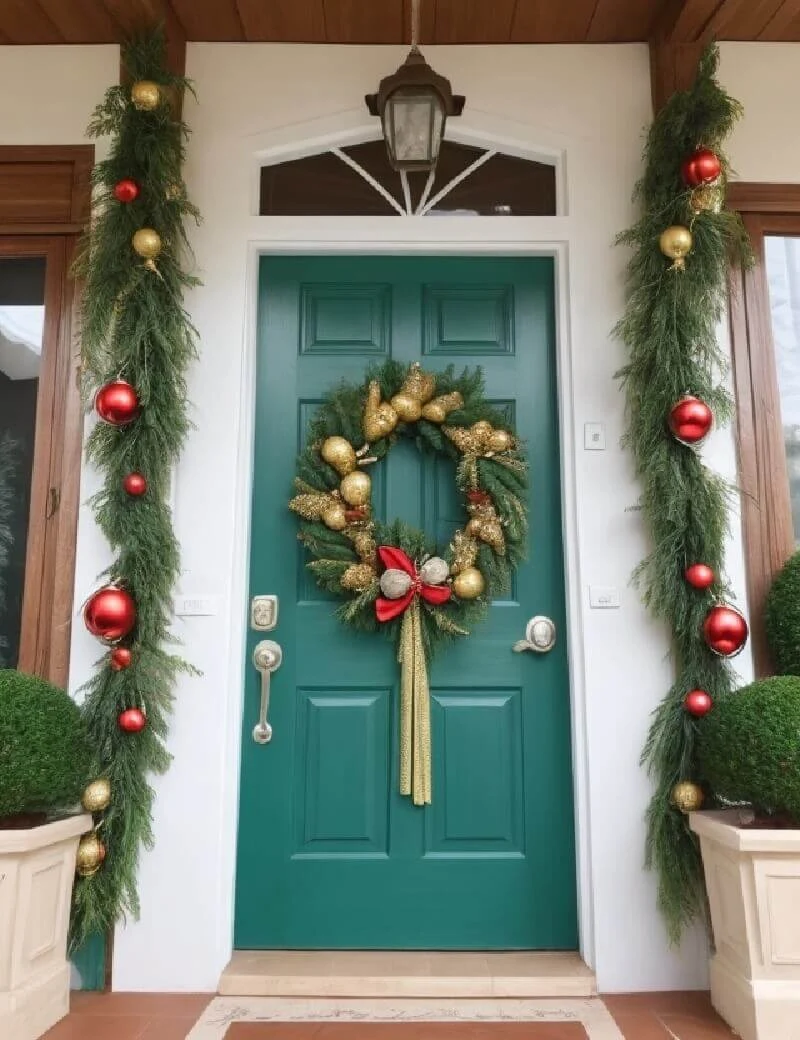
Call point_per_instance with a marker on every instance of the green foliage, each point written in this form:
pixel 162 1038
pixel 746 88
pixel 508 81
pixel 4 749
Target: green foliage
pixel 749 746
pixel 504 477
pixel 44 753
pixel 669 328
pixel 782 618
pixel 134 327
pixel 7 472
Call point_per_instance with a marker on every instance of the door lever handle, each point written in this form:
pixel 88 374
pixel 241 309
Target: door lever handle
pixel 267 658
pixel 540 636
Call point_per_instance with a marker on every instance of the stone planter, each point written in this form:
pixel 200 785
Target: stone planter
pixel 753 882
pixel 37 868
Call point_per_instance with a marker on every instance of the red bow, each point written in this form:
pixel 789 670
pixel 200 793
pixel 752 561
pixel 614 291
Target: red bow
pixel 388 609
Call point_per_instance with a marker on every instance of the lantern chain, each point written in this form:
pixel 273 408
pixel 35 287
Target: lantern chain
pixel 415 24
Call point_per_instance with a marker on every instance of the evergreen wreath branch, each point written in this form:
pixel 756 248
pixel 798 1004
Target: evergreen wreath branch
pixel 670 330
pixel 134 327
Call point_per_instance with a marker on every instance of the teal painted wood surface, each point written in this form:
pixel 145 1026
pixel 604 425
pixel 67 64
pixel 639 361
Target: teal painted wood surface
pixel 330 855
pixel 89 962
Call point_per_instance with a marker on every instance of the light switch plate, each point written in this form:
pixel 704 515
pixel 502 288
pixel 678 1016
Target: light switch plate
pixel 604 597
pixel 594 436
pixel 195 606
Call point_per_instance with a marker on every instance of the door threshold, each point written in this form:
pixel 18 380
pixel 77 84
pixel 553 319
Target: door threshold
pixel 346 973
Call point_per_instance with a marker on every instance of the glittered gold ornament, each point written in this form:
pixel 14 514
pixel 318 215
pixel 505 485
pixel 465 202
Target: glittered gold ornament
pixel 379 416
pixel 145 95
pixel 469 584
pixel 418 388
pixel 475 439
pixel 408 408
pixel 707 198
pixel 356 488
pixel 97 795
pixel 339 453
pixel 486 526
pixel 334 517
pixel 438 409
pixel 365 545
pixel 310 504
pixel 358 577
pixel 147 243
pixel 91 853
pixel 500 440
pixel 465 552
pixel 686 796
pixel 676 243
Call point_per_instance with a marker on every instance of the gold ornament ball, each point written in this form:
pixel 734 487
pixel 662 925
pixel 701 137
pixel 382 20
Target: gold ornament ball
pixel 97 796
pixel 147 243
pixel 469 584
pixel 339 453
pixel 408 408
pixel 500 440
pixel 686 796
pixel 356 488
pixel 675 242
pixel 91 853
pixel 334 516
pixel 145 95
pixel 358 577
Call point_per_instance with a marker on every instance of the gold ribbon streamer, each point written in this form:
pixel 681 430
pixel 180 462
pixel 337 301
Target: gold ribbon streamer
pixel 415 710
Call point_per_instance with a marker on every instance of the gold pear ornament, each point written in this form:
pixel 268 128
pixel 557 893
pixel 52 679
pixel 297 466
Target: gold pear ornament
pixel 437 410
pixel 356 488
pixel 379 416
pixel 339 453
pixel 417 389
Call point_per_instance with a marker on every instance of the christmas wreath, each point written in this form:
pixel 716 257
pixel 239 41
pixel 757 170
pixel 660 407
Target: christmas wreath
pixel 391 576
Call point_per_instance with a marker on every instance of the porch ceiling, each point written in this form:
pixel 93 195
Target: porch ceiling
pixel 387 21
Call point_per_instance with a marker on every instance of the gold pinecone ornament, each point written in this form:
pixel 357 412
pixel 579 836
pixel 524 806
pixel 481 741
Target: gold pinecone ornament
pixel 358 577
pixel 465 552
pixel 486 526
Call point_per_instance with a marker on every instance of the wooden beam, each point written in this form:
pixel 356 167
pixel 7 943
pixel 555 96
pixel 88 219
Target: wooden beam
pixel 683 21
pixel 788 12
pixel 672 67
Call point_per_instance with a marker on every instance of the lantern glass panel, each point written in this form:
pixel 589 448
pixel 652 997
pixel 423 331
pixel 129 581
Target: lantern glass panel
pixel 414 127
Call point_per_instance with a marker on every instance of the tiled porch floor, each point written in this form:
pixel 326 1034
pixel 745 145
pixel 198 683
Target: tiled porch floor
pixel 124 1016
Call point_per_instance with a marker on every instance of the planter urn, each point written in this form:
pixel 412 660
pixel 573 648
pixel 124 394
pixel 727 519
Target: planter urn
pixel 753 882
pixel 37 869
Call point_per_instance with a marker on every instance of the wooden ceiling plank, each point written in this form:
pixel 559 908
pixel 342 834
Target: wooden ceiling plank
pixel 683 21
pixel 215 21
pixel 81 21
pixel 364 21
pixel 427 21
pixel 474 21
pixel 623 21
pixel 24 22
pixel 780 27
pixel 291 21
pixel 715 27
pixel 133 16
pixel 542 21
pixel 749 20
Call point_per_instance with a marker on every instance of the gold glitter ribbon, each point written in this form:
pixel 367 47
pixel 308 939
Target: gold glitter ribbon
pixel 415 710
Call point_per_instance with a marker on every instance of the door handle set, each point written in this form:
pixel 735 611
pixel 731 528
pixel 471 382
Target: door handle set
pixel 540 636
pixel 267 658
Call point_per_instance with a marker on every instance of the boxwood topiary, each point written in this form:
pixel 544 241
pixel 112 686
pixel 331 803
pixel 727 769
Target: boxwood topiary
pixel 782 618
pixel 749 746
pixel 44 751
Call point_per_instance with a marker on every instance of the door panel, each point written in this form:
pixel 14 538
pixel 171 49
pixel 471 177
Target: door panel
pixel 330 855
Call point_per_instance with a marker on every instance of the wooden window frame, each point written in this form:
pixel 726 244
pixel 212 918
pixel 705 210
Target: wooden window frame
pixel 49 579
pixel 766 209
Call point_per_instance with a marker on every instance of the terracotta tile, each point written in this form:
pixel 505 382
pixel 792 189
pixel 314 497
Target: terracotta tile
pixel 155 1005
pixel 640 1025
pixel 680 1002
pixel 99 1027
pixel 706 1027
pixel 168 1029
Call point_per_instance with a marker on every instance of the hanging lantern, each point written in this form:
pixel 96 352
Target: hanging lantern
pixel 413 104
pixel 725 630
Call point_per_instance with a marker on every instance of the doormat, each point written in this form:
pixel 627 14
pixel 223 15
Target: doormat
pixel 275 1018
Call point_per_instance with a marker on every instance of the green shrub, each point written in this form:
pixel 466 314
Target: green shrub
pixel 782 618
pixel 44 751
pixel 749 746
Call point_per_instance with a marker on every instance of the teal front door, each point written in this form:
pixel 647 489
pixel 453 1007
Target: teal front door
pixel 330 855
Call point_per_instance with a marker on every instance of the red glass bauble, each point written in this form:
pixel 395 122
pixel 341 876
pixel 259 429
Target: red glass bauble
pixel 478 498
pixel 126 190
pixel 725 630
pixel 135 484
pixel 698 703
pixel 120 658
pixel 110 614
pixel 690 420
pixel 117 403
pixel 699 576
pixel 701 167
pixel 132 720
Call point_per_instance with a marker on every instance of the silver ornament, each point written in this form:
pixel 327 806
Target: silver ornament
pixel 395 583
pixel 434 571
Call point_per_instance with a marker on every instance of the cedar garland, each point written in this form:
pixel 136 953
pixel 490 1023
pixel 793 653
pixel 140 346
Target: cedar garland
pixel 134 327
pixel 670 330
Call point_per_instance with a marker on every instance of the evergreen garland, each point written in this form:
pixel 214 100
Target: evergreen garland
pixel 8 466
pixel 669 328
pixel 134 327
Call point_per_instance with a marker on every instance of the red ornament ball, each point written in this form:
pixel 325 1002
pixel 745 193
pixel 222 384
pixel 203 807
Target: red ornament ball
pixel 701 167
pixel 699 576
pixel 110 614
pixel 120 658
pixel 478 498
pixel 117 403
pixel 132 720
pixel 725 630
pixel 690 420
pixel 698 703
pixel 135 484
pixel 126 190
